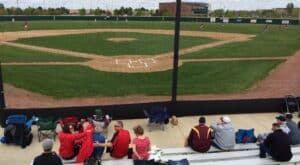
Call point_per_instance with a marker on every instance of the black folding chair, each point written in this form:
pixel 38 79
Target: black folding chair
pixel 291 103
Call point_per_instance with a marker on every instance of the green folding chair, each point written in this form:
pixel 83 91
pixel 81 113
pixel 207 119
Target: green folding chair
pixel 46 127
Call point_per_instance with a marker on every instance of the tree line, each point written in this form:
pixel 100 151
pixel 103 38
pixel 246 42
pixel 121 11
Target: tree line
pixel 289 11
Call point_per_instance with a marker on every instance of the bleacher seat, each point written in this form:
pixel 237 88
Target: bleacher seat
pixel 241 155
pixel 188 150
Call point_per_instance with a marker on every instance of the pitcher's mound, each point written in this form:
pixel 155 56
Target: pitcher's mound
pixel 121 39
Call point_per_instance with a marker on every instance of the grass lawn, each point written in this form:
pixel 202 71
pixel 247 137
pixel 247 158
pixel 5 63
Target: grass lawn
pixel 146 44
pixel 273 43
pixel 218 27
pixel 194 78
pixel 12 54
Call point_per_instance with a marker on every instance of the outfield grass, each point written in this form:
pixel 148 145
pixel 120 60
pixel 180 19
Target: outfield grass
pixel 269 44
pixel 13 54
pixel 97 43
pixel 218 27
pixel 194 78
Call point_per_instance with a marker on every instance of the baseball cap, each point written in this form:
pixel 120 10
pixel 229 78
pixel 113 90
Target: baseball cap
pixel 280 118
pixel 288 115
pixel 47 144
pixel 226 119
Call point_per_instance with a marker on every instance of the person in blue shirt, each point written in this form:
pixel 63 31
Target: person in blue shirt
pixel 98 138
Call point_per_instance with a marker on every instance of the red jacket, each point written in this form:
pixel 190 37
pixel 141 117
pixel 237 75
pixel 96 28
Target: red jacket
pixel 87 146
pixel 67 142
pixel 121 144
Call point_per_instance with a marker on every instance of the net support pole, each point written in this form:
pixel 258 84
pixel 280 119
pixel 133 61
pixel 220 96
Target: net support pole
pixel 176 51
pixel 2 100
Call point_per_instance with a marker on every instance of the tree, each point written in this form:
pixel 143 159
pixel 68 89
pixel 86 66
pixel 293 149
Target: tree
pixel 166 13
pixel 219 12
pixel 2 9
pixel 2 6
pixel 82 11
pixel 17 11
pixel 99 11
pixel 290 8
pixel 141 12
pixel 29 11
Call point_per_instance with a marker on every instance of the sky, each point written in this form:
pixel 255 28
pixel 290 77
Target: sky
pixel 149 4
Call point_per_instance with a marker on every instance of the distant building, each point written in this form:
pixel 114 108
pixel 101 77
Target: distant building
pixel 187 8
pixel 283 11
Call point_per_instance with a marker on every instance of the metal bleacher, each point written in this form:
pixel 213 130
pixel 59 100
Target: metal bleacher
pixel 242 154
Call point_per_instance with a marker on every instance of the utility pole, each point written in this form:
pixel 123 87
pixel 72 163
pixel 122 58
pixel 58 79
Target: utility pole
pixel 176 51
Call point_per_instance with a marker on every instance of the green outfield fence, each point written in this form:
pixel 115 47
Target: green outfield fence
pixel 123 18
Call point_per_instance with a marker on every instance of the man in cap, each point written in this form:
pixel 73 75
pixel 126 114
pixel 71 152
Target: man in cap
pixel 48 157
pixel 294 130
pixel 224 134
pixel 282 122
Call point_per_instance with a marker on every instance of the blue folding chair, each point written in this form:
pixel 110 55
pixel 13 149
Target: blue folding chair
pixel 157 117
pixel 18 130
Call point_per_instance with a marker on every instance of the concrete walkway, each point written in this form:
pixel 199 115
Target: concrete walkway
pixel 173 136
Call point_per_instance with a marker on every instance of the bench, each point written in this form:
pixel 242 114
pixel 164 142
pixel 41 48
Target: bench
pixel 118 162
pixel 229 157
pixel 188 150
pixel 217 158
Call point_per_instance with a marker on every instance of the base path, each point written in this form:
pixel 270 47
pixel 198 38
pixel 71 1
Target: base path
pixel 130 63
pixel 282 81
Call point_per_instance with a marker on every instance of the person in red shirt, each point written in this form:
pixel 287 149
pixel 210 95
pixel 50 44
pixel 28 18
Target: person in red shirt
pixel 119 144
pixel 140 144
pixel 26 24
pixel 200 137
pixel 67 139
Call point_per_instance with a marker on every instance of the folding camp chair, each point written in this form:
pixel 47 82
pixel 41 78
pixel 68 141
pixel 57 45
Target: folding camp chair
pixel 291 104
pixel 157 117
pixel 46 127
pixel 18 130
pixel 72 120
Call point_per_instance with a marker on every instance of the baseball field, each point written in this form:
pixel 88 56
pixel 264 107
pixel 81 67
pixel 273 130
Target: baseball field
pixel 104 62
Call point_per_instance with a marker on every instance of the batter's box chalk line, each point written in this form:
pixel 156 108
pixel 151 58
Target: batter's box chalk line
pixel 137 63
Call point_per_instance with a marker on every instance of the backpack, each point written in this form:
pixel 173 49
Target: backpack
pixel 245 136
pixel 9 133
pixel 179 162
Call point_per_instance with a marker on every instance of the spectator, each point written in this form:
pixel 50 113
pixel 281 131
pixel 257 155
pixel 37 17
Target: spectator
pixel 200 137
pixel 48 157
pixel 68 148
pixel 140 144
pixel 120 141
pixel 98 138
pixel 294 130
pixel 282 122
pixel 224 134
pixel 277 144
pixel 119 144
